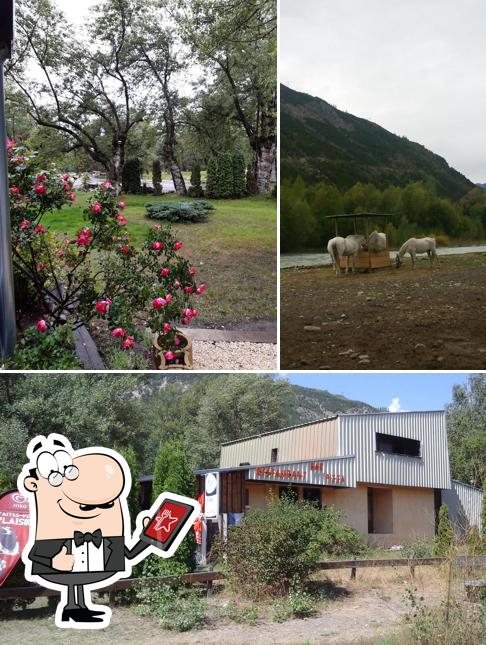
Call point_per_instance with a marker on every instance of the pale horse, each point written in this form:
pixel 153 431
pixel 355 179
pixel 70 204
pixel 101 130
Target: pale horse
pixel 344 246
pixel 416 246
pixel 376 242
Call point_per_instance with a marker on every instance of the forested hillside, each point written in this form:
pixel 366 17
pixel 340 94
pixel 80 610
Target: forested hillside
pixel 142 411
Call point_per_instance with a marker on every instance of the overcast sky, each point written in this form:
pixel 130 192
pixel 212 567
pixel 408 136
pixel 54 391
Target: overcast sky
pixel 415 67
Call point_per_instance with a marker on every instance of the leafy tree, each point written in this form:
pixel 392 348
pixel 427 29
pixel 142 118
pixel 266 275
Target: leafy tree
pixel 133 497
pixel 81 88
pixel 466 429
pixel 445 535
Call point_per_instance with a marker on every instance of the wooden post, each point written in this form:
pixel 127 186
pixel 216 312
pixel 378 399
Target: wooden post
pixel 412 571
pixel 353 572
pixel 209 588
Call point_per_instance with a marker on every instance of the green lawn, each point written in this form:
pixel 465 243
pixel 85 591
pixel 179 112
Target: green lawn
pixel 234 252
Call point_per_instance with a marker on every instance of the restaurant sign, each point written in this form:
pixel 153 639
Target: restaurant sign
pixel 334 471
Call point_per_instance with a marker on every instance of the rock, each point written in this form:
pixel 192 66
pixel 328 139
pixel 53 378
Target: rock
pixel 419 346
pixel 482 350
pixel 324 367
pixel 363 361
pixel 343 316
pixel 311 328
pixel 369 298
pixel 363 356
pixel 440 359
pixel 360 293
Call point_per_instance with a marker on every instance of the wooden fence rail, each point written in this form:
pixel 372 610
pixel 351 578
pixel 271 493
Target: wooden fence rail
pixel 208 577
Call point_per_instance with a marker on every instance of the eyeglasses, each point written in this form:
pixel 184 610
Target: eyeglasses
pixel 55 477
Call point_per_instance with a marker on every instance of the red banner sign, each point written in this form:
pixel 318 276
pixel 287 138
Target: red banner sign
pixel 290 474
pixel 14 530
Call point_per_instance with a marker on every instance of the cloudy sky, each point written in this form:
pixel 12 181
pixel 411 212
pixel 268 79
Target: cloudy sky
pixel 415 67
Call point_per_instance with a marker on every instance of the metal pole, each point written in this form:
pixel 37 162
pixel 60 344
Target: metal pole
pixel 7 301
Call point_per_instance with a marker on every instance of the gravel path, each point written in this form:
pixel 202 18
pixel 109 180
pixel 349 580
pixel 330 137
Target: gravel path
pixel 219 355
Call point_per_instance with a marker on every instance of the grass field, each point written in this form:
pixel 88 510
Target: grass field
pixel 234 252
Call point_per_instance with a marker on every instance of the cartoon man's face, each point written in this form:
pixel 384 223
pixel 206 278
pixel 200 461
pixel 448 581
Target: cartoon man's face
pixel 80 494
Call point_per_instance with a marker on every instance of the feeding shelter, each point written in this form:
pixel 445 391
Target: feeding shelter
pixel 361 224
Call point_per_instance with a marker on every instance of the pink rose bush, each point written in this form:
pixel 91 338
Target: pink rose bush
pixel 130 287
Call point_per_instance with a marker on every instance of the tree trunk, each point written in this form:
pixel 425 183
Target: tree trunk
pixel 115 167
pixel 173 167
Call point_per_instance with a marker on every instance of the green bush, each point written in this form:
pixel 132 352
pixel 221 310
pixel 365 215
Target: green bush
pixel 195 189
pixel 184 212
pixel 177 609
pixel 131 176
pixel 225 175
pixel 280 546
pixel 212 178
pixel 418 549
pixel 239 175
pixel 157 176
pixel 40 351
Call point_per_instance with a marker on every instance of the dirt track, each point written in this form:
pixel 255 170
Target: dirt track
pixel 388 319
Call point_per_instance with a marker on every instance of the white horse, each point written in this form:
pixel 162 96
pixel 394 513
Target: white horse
pixel 376 242
pixel 344 246
pixel 416 246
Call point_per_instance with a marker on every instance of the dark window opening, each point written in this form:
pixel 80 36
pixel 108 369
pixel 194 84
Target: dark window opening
pixel 288 492
pixel 247 497
pixel 274 456
pixel 312 495
pixel 244 463
pixel 380 510
pixel 437 505
pixel 391 445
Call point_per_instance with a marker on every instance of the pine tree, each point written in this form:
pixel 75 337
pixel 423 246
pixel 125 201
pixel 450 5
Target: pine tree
pixel 225 175
pixel 239 175
pixel 212 178
pixel 196 189
pixel 157 176
pixel 445 535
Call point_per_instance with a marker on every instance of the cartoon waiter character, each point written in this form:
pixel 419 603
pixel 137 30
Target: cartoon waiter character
pixel 80 522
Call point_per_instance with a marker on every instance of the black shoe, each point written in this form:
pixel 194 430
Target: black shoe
pixel 80 616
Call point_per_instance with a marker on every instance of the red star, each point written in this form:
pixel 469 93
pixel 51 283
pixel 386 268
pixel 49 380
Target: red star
pixel 165 521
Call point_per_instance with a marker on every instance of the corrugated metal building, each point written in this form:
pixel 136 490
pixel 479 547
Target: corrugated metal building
pixel 387 472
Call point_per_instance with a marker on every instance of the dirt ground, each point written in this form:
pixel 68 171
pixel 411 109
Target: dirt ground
pixel 358 611
pixel 388 319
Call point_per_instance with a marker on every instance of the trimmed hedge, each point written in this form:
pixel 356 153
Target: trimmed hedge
pixel 131 176
pixel 185 212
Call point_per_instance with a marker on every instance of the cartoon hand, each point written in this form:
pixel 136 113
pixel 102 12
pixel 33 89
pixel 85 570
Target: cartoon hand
pixel 63 561
pixel 146 521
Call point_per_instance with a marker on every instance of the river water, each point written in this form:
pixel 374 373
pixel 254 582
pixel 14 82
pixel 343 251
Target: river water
pixel 289 260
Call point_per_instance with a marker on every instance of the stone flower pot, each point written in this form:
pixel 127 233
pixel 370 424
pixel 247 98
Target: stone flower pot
pixel 182 355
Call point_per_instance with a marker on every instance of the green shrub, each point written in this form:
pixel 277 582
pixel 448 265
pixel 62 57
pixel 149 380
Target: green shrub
pixel 418 549
pixel 212 178
pixel 281 545
pixel 131 176
pixel 177 609
pixel 184 212
pixel 225 175
pixel 157 176
pixel 338 539
pixel 195 189
pixel 53 350
pixel 445 535
pixel 300 603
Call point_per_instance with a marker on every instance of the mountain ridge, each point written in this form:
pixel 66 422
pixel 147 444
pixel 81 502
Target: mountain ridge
pixel 319 142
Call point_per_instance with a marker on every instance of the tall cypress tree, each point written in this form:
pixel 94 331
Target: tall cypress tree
pixel 239 175
pixel 225 175
pixel 445 535
pixel 212 179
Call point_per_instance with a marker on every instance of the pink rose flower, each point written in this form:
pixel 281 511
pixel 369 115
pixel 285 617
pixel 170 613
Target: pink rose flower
pixel 169 356
pixel 72 197
pixel 125 249
pixel 186 321
pixel 128 343
pixel 59 254
pixel 157 246
pixel 177 341
pixel 157 303
pixel 40 189
pixel 84 237
pixel 39 229
pixel 177 284
pixel 40 266
pixel 165 272
pixel 97 207
pixel 195 313
pixel 121 205
pixel 66 177
pixel 67 186
pixel 188 289
pixel 201 289
pixel 102 306
pixel 42 325
pixel 167 328
pixel 106 184
pixel 40 179
pixel 15 190
pixel 168 297
pixel 119 332
pixel 121 219
pixel 24 224
pixel 192 270
pixel 177 246
pixel 10 144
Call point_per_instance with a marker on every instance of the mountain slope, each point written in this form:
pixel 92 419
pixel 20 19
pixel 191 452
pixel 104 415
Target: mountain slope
pixel 310 404
pixel 321 143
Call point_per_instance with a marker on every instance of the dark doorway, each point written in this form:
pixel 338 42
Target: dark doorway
pixel 312 495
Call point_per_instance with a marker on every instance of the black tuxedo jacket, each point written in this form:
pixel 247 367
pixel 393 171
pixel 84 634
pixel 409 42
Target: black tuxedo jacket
pixel 115 552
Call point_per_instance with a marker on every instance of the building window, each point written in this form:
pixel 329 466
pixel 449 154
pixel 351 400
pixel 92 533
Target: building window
pixel 392 445
pixel 288 492
pixel 380 510
pixel 274 456
pixel 312 495
pixel 247 497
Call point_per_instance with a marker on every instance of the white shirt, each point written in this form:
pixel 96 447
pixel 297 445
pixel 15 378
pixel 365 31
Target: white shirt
pixel 88 557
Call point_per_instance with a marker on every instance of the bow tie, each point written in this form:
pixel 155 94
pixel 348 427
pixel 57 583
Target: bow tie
pixel 81 538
